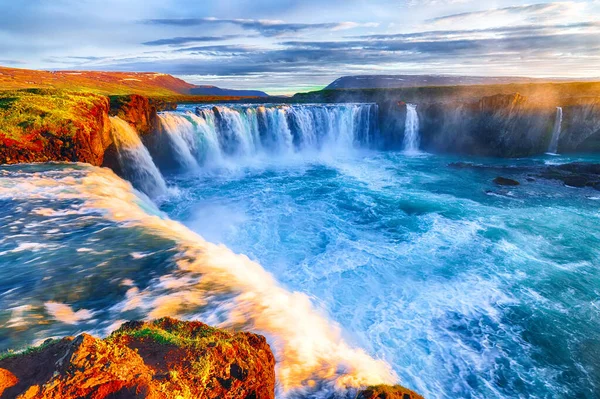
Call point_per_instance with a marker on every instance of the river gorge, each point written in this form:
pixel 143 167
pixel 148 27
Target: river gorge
pixel 362 256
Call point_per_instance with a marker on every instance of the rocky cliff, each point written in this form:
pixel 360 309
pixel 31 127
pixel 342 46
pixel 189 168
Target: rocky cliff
pixel 54 125
pixel 503 125
pixel 491 120
pixel 162 359
pixel 50 125
pixel 581 126
pixel 136 110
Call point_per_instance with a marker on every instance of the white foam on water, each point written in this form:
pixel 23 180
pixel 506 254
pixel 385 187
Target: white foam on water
pixel 65 314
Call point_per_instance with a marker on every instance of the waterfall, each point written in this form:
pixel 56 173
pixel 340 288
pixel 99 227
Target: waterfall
pixel 209 135
pixel 135 160
pixel 553 147
pixel 411 130
pixel 181 138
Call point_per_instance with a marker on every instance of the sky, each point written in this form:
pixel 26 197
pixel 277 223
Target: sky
pixel 286 46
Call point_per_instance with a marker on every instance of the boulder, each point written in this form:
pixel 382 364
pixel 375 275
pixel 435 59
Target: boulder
pixel 504 181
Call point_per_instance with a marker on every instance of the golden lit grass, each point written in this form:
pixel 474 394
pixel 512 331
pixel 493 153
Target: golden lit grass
pixel 23 112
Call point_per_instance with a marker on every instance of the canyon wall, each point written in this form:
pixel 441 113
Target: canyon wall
pixel 502 125
pixel 43 126
pixel 489 120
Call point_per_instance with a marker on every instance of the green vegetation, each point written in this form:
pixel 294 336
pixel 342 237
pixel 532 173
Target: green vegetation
pixel 29 350
pixel 169 331
pixel 218 347
pixel 24 114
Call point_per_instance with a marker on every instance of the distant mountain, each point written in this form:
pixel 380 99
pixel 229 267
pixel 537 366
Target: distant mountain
pixel 217 91
pixel 401 81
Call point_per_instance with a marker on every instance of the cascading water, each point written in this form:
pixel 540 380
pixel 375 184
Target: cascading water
pixel 134 159
pixel 411 130
pixel 182 140
pixel 553 147
pixel 208 135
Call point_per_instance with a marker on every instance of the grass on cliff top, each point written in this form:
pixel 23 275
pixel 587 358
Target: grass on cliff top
pixel 23 112
pixel 193 336
pixel 28 350
pixel 169 331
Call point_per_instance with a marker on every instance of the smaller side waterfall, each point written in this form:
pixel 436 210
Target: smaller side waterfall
pixel 135 160
pixel 411 130
pixel 553 147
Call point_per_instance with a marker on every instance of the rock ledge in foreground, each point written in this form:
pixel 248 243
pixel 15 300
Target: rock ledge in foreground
pixel 166 359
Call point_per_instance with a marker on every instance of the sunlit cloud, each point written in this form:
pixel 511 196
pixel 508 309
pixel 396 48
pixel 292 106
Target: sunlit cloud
pixel 262 26
pixel 180 41
pixel 514 15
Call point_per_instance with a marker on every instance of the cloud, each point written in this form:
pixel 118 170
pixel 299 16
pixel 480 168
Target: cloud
pixel 249 45
pixel 505 31
pixel 11 62
pixel 180 41
pixel 262 26
pixel 530 13
pixel 550 51
pixel 220 49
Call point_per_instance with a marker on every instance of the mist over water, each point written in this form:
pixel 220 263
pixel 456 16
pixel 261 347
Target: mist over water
pixel 359 266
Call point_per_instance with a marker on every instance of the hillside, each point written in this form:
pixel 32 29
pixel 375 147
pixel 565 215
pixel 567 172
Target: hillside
pixel 117 83
pixel 107 83
pixel 41 125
